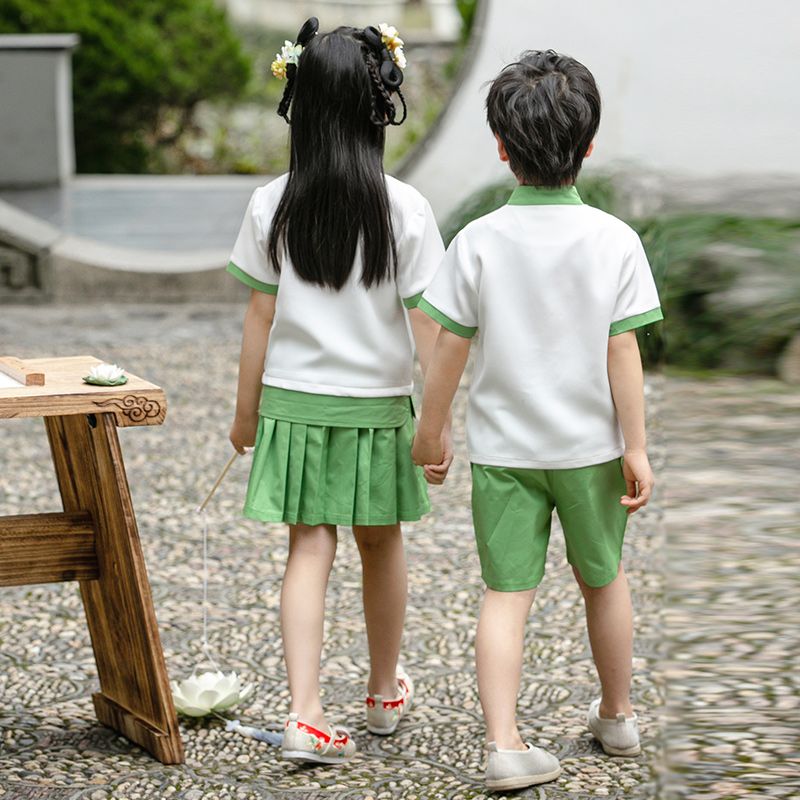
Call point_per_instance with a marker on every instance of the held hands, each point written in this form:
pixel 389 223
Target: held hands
pixel 243 432
pixel 434 455
pixel 639 480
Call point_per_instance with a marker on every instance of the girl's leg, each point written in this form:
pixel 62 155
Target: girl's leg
pixel 609 618
pixel 385 589
pixel 498 651
pixel 311 553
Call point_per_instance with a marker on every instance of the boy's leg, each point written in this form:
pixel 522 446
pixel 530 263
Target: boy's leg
pixel 311 553
pixel 594 521
pixel 609 619
pixel 498 651
pixel 385 590
pixel 511 510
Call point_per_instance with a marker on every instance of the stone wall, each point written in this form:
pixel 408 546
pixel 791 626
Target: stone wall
pixel 36 110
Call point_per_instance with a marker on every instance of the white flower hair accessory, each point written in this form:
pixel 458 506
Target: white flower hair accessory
pixel 289 54
pixel 394 44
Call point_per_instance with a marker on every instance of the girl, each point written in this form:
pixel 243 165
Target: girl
pixel 336 255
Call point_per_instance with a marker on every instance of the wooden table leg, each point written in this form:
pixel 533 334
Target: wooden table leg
pixel 135 696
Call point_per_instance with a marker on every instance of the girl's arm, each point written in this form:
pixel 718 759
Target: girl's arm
pixel 626 379
pixel 446 367
pixel 255 337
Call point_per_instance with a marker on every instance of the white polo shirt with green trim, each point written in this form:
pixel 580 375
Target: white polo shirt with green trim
pixel 545 280
pixel 355 342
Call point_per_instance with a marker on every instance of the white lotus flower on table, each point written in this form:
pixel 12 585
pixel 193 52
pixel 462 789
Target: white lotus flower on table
pixel 209 692
pixel 106 375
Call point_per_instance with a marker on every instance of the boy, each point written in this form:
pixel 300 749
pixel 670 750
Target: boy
pixel 556 289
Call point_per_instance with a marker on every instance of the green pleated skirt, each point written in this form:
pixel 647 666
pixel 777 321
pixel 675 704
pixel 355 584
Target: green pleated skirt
pixel 311 467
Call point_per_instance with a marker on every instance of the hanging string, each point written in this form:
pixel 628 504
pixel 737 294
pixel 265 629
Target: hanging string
pixel 201 510
pixel 204 645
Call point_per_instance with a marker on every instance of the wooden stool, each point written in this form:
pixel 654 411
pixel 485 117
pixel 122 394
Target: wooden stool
pixel 95 540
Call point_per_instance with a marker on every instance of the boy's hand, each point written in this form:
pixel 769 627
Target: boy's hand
pixel 243 432
pixel 638 479
pixel 435 474
pixel 427 450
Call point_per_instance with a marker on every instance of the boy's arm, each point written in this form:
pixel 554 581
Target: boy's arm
pixel 445 370
pixel 255 337
pixel 425 332
pixel 626 379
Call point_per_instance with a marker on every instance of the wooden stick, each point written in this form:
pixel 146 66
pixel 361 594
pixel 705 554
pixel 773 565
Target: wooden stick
pixel 17 370
pixel 219 480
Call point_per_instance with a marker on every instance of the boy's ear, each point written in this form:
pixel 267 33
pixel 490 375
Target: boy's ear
pixel 589 150
pixel 501 149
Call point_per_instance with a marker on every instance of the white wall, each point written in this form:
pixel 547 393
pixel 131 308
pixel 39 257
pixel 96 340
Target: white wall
pixel 706 88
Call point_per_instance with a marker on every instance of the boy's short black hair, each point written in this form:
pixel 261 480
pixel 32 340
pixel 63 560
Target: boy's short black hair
pixel 545 108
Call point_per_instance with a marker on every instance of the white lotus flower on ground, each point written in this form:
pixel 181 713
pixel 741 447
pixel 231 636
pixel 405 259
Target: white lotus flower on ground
pixel 207 692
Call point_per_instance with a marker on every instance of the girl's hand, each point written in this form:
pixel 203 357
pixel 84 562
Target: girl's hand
pixel 435 474
pixel 639 480
pixel 243 432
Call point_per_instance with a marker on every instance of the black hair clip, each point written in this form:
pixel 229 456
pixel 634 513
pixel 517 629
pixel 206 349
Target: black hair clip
pixel 306 34
pixel 308 31
pixel 391 74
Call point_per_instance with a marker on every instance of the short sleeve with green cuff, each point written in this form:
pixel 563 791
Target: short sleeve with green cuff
pixel 637 301
pixel 249 262
pixel 419 253
pixel 452 299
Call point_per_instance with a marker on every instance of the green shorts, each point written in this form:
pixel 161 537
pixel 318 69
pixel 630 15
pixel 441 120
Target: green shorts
pixel 512 511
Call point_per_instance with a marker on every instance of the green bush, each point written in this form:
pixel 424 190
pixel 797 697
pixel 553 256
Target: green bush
pixel 729 286
pixel 467 9
pixel 140 70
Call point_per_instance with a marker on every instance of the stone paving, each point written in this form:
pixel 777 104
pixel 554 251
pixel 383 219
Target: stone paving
pixel 732 585
pixel 52 747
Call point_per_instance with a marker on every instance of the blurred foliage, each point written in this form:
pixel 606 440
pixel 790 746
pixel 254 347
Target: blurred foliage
pixel 262 45
pixel 467 9
pixel 595 191
pixel 729 286
pixel 140 70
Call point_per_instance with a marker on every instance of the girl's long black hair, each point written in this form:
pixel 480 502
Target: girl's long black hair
pixel 336 200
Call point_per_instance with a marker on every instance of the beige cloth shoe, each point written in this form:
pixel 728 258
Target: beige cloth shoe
pixel 515 769
pixel 619 736
pixel 302 742
pixel 383 716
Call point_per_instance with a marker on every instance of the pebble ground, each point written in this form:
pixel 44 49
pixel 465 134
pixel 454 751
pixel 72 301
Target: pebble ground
pixel 711 584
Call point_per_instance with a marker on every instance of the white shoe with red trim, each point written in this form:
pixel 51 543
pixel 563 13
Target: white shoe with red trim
pixel 303 742
pixel 383 716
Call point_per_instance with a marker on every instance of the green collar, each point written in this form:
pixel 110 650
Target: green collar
pixel 545 196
